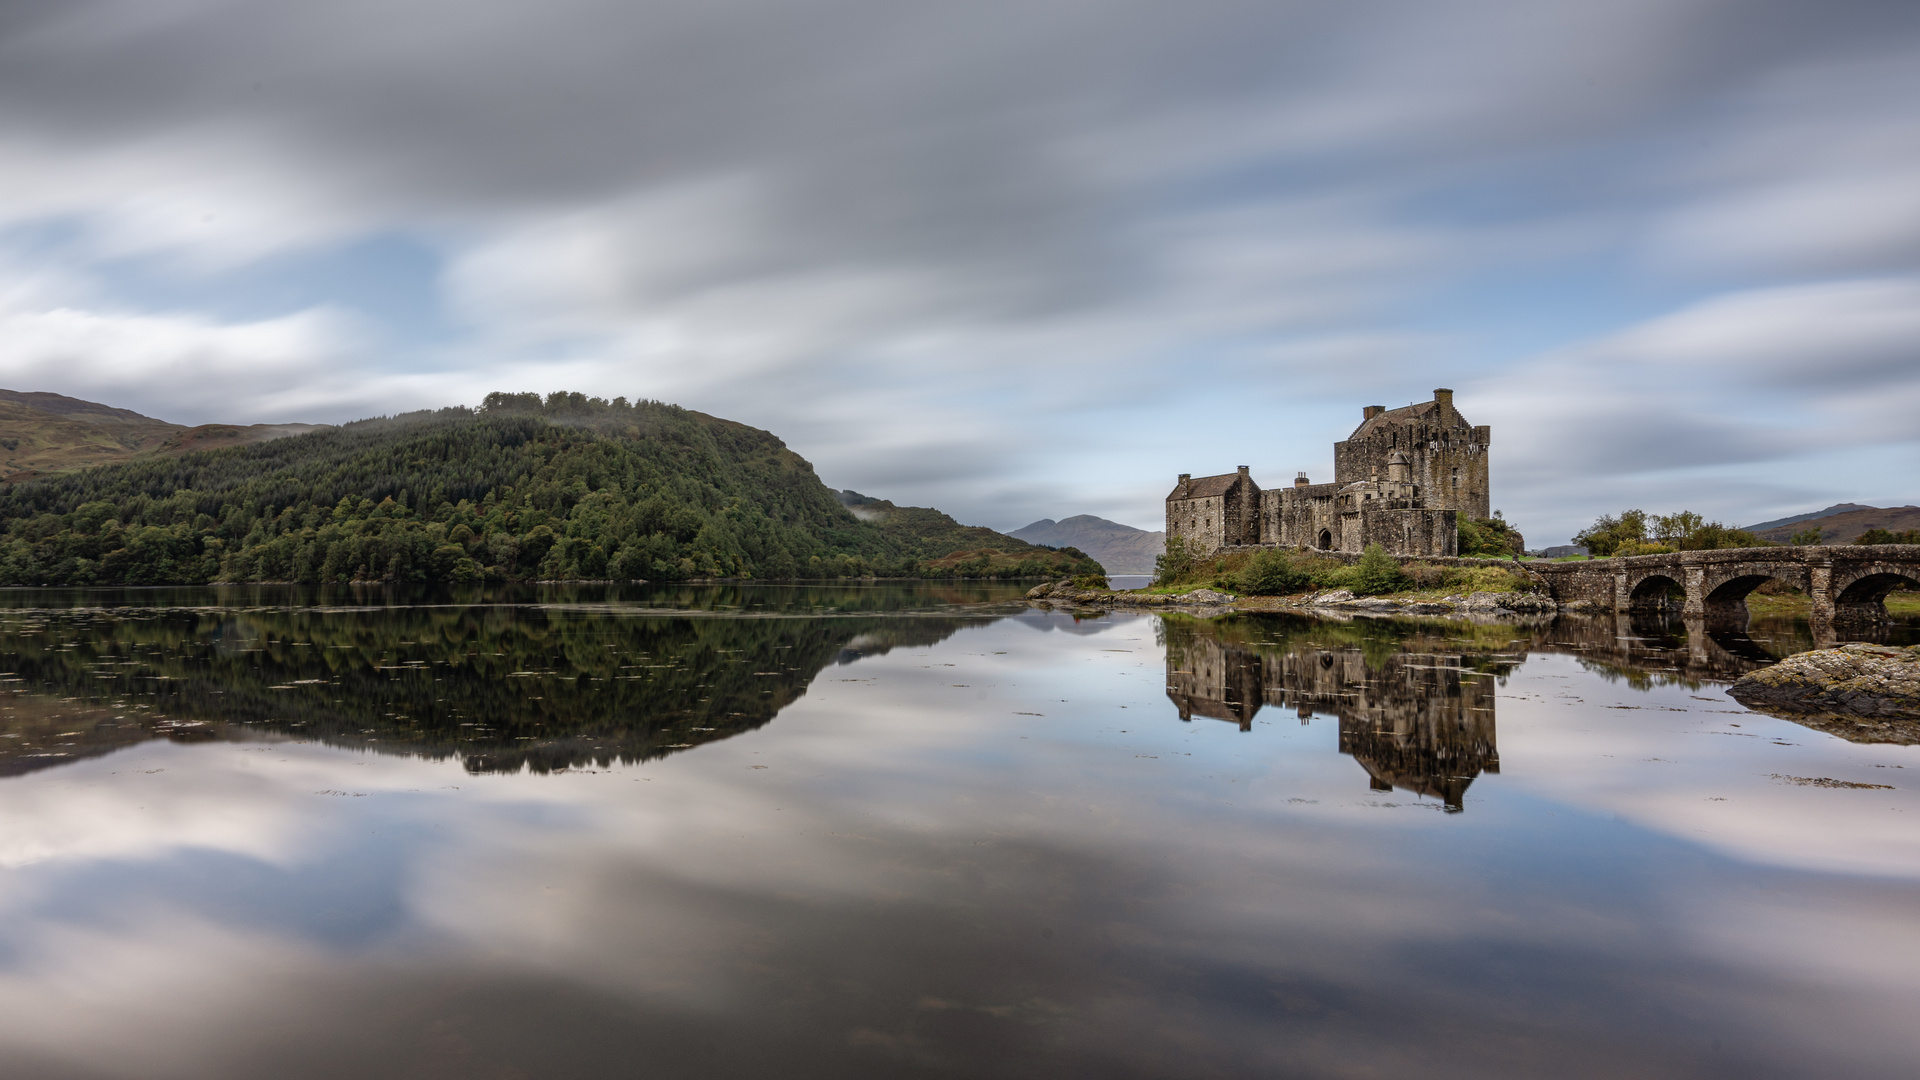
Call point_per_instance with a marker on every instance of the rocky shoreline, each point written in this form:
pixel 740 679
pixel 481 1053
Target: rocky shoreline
pixel 1339 600
pixel 1860 692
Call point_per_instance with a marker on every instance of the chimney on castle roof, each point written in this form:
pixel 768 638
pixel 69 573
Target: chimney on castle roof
pixel 1368 412
pixel 1444 397
pixel 1301 480
pixel 1243 470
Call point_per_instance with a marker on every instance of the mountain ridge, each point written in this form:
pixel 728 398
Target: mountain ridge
pixel 1847 525
pixel 1122 549
pixel 1796 519
pixel 43 434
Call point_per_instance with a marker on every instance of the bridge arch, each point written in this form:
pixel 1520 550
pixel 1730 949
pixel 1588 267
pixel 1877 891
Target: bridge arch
pixel 1728 598
pixel 1860 597
pixel 1656 591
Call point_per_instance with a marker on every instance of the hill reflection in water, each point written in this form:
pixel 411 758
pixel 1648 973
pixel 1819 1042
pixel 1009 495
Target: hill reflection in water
pixel 559 678
pixel 504 688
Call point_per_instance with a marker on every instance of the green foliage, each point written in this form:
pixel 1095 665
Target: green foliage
pixel 1636 532
pixel 1490 538
pixel 1277 572
pixel 1888 536
pixel 1273 573
pixel 540 689
pixel 1806 537
pixel 1377 572
pixel 1091 581
pixel 1178 561
pixel 569 487
pixel 1608 532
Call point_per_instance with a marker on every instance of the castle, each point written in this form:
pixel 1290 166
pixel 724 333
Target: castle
pixel 1401 480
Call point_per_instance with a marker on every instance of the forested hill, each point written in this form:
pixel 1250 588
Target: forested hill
pixel 570 487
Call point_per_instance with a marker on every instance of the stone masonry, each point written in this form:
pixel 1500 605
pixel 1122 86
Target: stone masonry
pixel 1401 480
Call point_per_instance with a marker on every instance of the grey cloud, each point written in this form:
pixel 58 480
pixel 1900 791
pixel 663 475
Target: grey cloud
pixel 887 230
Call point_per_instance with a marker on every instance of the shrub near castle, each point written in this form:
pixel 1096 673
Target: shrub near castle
pixel 1284 572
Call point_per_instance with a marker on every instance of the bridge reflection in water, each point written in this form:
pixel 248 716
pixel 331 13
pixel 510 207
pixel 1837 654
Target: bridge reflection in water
pixel 1415 699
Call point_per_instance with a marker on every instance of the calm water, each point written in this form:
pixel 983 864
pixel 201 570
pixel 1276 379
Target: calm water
pixel 925 831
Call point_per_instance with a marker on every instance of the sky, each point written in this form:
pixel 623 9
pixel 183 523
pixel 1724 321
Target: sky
pixel 1012 260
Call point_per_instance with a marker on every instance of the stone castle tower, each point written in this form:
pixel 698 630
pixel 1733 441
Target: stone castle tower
pixel 1447 456
pixel 1401 480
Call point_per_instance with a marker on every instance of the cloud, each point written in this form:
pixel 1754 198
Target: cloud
pixel 1075 248
pixel 1658 413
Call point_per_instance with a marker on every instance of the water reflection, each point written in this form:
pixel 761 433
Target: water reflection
pixel 1419 718
pixel 568 677
pixel 1415 698
pixel 964 859
pixel 504 689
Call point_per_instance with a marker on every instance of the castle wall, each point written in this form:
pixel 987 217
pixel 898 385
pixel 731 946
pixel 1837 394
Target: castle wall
pixel 1295 516
pixel 1402 481
pixel 1200 522
pixel 1209 523
pixel 1449 459
pixel 1410 532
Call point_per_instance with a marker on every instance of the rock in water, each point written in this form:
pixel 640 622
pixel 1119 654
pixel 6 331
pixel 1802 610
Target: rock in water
pixel 1860 692
pixel 1208 596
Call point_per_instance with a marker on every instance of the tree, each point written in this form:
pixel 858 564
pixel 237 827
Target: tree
pixel 1806 537
pixel 1177 561
pixel 1608 532
pixel 1378 572
pixel 1490 538
pixel 1888 536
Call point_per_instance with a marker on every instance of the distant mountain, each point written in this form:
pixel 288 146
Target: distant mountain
pixel 940 541
pixel 1842 524
pixel 1836 508
pixel 1122 549
pixel 42 433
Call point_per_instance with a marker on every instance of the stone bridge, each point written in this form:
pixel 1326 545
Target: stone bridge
pixel 1847 584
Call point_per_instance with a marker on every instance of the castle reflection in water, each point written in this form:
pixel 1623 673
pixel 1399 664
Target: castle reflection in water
pixel 1415 700
pixel 1421 722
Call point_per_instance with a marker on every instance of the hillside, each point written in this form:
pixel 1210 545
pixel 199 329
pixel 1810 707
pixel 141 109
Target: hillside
pixel 520 489
pixel 1843 527
pixel 1796 519
pixel 1122 549
pixel 943 543
pixel 43 433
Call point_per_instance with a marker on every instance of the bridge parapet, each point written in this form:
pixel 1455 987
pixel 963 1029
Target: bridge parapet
pixel 1845 583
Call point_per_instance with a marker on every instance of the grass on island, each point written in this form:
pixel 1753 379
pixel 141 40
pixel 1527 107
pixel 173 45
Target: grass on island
pixel 1281 573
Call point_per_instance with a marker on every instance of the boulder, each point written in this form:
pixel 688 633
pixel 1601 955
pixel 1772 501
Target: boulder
pixel 1039 591
pixel 1866 693
pixel 1529 603
pixel 1207 596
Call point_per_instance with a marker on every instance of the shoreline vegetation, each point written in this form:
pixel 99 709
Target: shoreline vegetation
pixel 1279 579
pixel 1287 572
pixel 566 488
